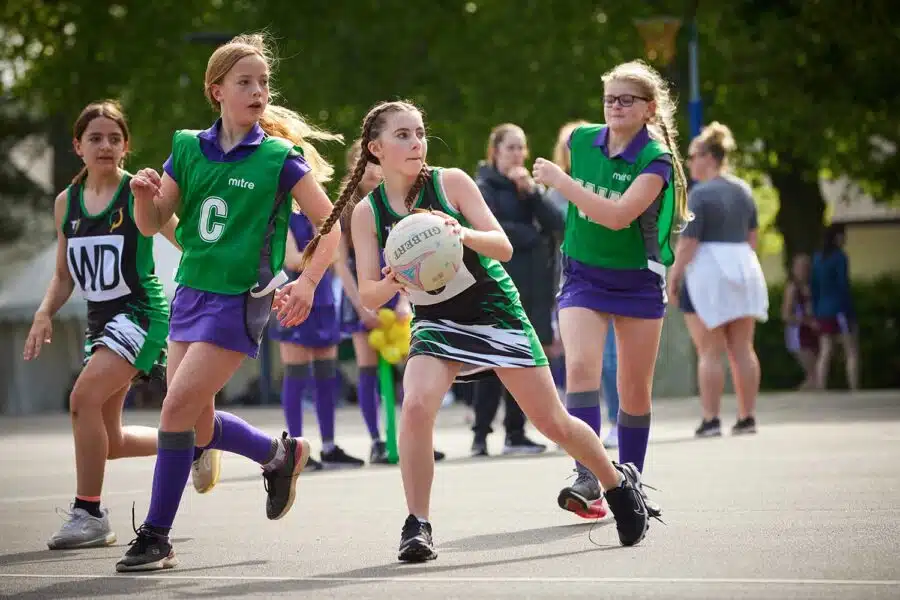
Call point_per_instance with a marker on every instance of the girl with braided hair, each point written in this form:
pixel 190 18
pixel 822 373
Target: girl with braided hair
pixel 473 325
pixel 231 186
pixel 623 207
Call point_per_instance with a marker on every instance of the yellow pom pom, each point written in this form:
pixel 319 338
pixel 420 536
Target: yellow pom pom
pixel 386 317
pixel 377 339
pixel 392 354
pixel 397 333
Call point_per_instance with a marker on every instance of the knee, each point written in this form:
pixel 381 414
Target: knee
pixel 554 424
pixel 81 401
pixel 419 410
pixel 582 369
pixel 709 358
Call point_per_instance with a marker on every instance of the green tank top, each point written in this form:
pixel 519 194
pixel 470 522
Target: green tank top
pixel 232 221
pixel 647 239
pixel 110 261
pixel 480 293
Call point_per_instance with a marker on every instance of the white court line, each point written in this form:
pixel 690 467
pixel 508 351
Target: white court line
pixel 419 579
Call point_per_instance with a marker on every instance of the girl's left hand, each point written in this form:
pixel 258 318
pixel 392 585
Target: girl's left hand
pixel 294 301
pixel 547 172
pixel 454 225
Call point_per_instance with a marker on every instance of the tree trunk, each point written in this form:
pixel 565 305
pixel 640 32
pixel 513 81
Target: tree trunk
pixel 801 211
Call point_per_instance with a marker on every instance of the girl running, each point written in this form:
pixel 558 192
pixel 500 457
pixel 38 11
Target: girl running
pixel 309 354
pixel 622 209
pixel 101 251
pixel 358 321
pixel 230 186
pixel 475 324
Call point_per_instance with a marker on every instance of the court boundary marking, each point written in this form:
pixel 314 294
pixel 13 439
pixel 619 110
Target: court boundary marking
pixel 471 580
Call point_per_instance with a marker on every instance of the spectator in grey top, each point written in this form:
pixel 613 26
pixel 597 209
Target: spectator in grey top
pixel 717 281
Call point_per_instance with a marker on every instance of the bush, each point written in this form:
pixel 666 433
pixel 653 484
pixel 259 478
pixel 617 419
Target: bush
pixel 878 316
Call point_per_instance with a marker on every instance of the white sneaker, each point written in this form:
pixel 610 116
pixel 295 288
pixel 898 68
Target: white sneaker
pixel 612 438
pixel 205 470
pixel 82 530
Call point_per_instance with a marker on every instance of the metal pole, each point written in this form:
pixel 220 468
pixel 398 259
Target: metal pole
pixel 695 106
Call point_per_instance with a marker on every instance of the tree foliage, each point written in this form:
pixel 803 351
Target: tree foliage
pixel 802 83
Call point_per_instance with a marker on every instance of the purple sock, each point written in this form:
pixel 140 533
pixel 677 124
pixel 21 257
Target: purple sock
pixel 297 379
pixel 367 393
pixel 585 406
pixel 324 374
pixel 173 467
pixel 235 435
pixel 634 433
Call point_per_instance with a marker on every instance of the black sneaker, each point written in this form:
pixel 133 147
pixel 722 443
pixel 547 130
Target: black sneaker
pixel 149 551
pixel 654 510
pixel 313 465
pixel 479 446
pixel 521 444
pixel 439 456
pixel 582 494
pixel 416 544
pixel 711 428
pixel 336 458
pixel 744 426
pixel 627 505
pixel 379 456
pixel 280 483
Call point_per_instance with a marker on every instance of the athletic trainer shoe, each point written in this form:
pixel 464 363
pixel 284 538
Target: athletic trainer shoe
pixel 149 551
pixel 416 544
pixel 206 469
pixel 522 444
pixel 81 529
pixel 627 505
pixel 336 458
pixel 280 483
pixel 581 495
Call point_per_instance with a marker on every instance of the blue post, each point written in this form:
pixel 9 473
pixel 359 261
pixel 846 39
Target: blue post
pixel 695 106
pixel 265 370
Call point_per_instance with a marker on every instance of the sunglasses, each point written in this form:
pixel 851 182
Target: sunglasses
pixel 624 100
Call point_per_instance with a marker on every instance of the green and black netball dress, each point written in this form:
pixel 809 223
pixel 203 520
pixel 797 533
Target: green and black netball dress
pixel 477 318
pixel 112 265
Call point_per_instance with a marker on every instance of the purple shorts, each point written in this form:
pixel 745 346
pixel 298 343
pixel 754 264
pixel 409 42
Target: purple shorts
pixel 322 329
pixel 350 322
pixel 638 293
pixel 233 322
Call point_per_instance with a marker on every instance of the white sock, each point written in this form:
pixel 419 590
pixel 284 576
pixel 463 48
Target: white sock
pixel 422 520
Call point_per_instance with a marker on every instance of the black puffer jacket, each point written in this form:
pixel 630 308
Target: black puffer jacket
pixel 533 226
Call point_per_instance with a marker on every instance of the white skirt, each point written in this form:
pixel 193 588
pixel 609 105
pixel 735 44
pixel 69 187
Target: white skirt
pixel 726 282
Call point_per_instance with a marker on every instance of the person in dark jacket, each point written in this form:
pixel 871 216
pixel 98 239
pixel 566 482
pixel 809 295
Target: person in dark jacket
pixel 531 222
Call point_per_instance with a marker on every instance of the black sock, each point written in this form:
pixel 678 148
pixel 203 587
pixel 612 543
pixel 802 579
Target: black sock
pixel 92 508
pixel 163 531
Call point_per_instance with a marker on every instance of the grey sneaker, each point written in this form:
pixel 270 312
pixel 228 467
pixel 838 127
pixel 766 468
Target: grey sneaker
pixel 581 495
pixel 82 530
pixel 205 470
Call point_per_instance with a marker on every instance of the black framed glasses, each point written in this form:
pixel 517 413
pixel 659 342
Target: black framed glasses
pixel 624 100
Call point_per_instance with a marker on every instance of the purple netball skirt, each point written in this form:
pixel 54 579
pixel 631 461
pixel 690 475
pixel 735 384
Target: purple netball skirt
pixel 638 293
pixel 233 322
pixel 322 329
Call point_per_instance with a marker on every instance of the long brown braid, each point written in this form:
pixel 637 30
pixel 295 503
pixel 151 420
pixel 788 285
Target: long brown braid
pixel 372 127
pixel 681 211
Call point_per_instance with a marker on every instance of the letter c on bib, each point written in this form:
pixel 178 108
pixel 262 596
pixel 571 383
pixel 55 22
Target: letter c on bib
pixel 213 212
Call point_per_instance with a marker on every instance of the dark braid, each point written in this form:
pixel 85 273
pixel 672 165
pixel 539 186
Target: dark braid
pixel 417 186
pixel 349 186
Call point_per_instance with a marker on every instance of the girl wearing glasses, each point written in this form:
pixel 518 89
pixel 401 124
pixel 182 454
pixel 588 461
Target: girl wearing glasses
pixel 623 206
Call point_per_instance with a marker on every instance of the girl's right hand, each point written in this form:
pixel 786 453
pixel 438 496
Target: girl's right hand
pixel 41 333
pixel 145 185
pixel 391 280
pixel 369 318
